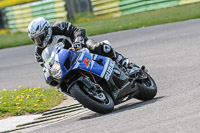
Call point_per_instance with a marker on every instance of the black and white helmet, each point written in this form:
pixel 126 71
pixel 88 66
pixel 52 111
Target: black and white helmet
pixel 40 31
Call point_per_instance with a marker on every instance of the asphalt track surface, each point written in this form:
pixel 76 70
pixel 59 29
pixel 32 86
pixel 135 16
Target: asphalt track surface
pixel 171 53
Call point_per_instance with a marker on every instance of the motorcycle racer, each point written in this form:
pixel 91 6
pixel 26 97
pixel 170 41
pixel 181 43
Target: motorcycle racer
pixel 43 33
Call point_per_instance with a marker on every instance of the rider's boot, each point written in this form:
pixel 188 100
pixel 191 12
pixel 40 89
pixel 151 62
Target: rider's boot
pixel 117 57
pixel 124 62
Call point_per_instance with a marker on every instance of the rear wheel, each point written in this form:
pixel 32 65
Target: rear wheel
pixel 147 88
pixel 98 101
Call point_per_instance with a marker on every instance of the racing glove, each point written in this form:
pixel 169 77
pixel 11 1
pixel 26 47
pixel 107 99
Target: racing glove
pixel 77 46
pixel 79 43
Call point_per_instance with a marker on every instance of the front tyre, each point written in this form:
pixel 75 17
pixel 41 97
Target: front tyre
pixel 147 88
pixel 90 102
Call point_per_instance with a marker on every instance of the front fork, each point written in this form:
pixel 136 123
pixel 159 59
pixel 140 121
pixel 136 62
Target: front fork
pixel 94 90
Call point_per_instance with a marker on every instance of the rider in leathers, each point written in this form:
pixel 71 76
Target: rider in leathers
pixel 43 34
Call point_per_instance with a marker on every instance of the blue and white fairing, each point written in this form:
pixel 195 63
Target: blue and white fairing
pixel 84 60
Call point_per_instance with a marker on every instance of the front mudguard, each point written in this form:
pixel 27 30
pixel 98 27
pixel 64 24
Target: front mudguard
pixel 88 83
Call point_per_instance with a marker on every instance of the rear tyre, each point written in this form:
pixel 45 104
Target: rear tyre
pixel 147 88
pixel 90 102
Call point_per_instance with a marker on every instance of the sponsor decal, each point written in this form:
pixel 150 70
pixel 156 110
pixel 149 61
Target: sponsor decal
pixel 134 68
pixel 109 70
pixel 61 26
pixel 68 25
pixel 86 62
pixel 37 56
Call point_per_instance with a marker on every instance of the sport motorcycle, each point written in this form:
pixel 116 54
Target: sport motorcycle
pixel 95 81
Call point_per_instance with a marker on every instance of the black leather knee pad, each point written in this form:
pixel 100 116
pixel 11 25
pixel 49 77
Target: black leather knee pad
pixel 100 48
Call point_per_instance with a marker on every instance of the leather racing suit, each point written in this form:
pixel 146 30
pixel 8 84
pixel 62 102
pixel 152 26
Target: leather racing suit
pixel 67 33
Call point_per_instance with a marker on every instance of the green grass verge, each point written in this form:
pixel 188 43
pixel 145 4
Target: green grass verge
pixel 98 25
pixel 28 100
pixel 159 16
pixel 13 40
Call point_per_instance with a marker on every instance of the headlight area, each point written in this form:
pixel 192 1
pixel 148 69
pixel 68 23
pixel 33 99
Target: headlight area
pixel 55 70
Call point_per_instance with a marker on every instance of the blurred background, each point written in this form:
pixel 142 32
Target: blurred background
pixel 15 15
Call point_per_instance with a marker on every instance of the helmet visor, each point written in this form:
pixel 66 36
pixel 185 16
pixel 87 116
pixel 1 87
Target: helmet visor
pixel 38 40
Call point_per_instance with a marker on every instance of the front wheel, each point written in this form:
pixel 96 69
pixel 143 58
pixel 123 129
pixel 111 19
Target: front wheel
pixel 147 88
pixel 101 102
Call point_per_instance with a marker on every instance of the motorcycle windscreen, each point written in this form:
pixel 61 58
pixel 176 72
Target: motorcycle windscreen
pixel 46 53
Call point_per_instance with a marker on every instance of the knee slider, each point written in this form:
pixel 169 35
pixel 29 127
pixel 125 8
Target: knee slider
pixel 107 49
